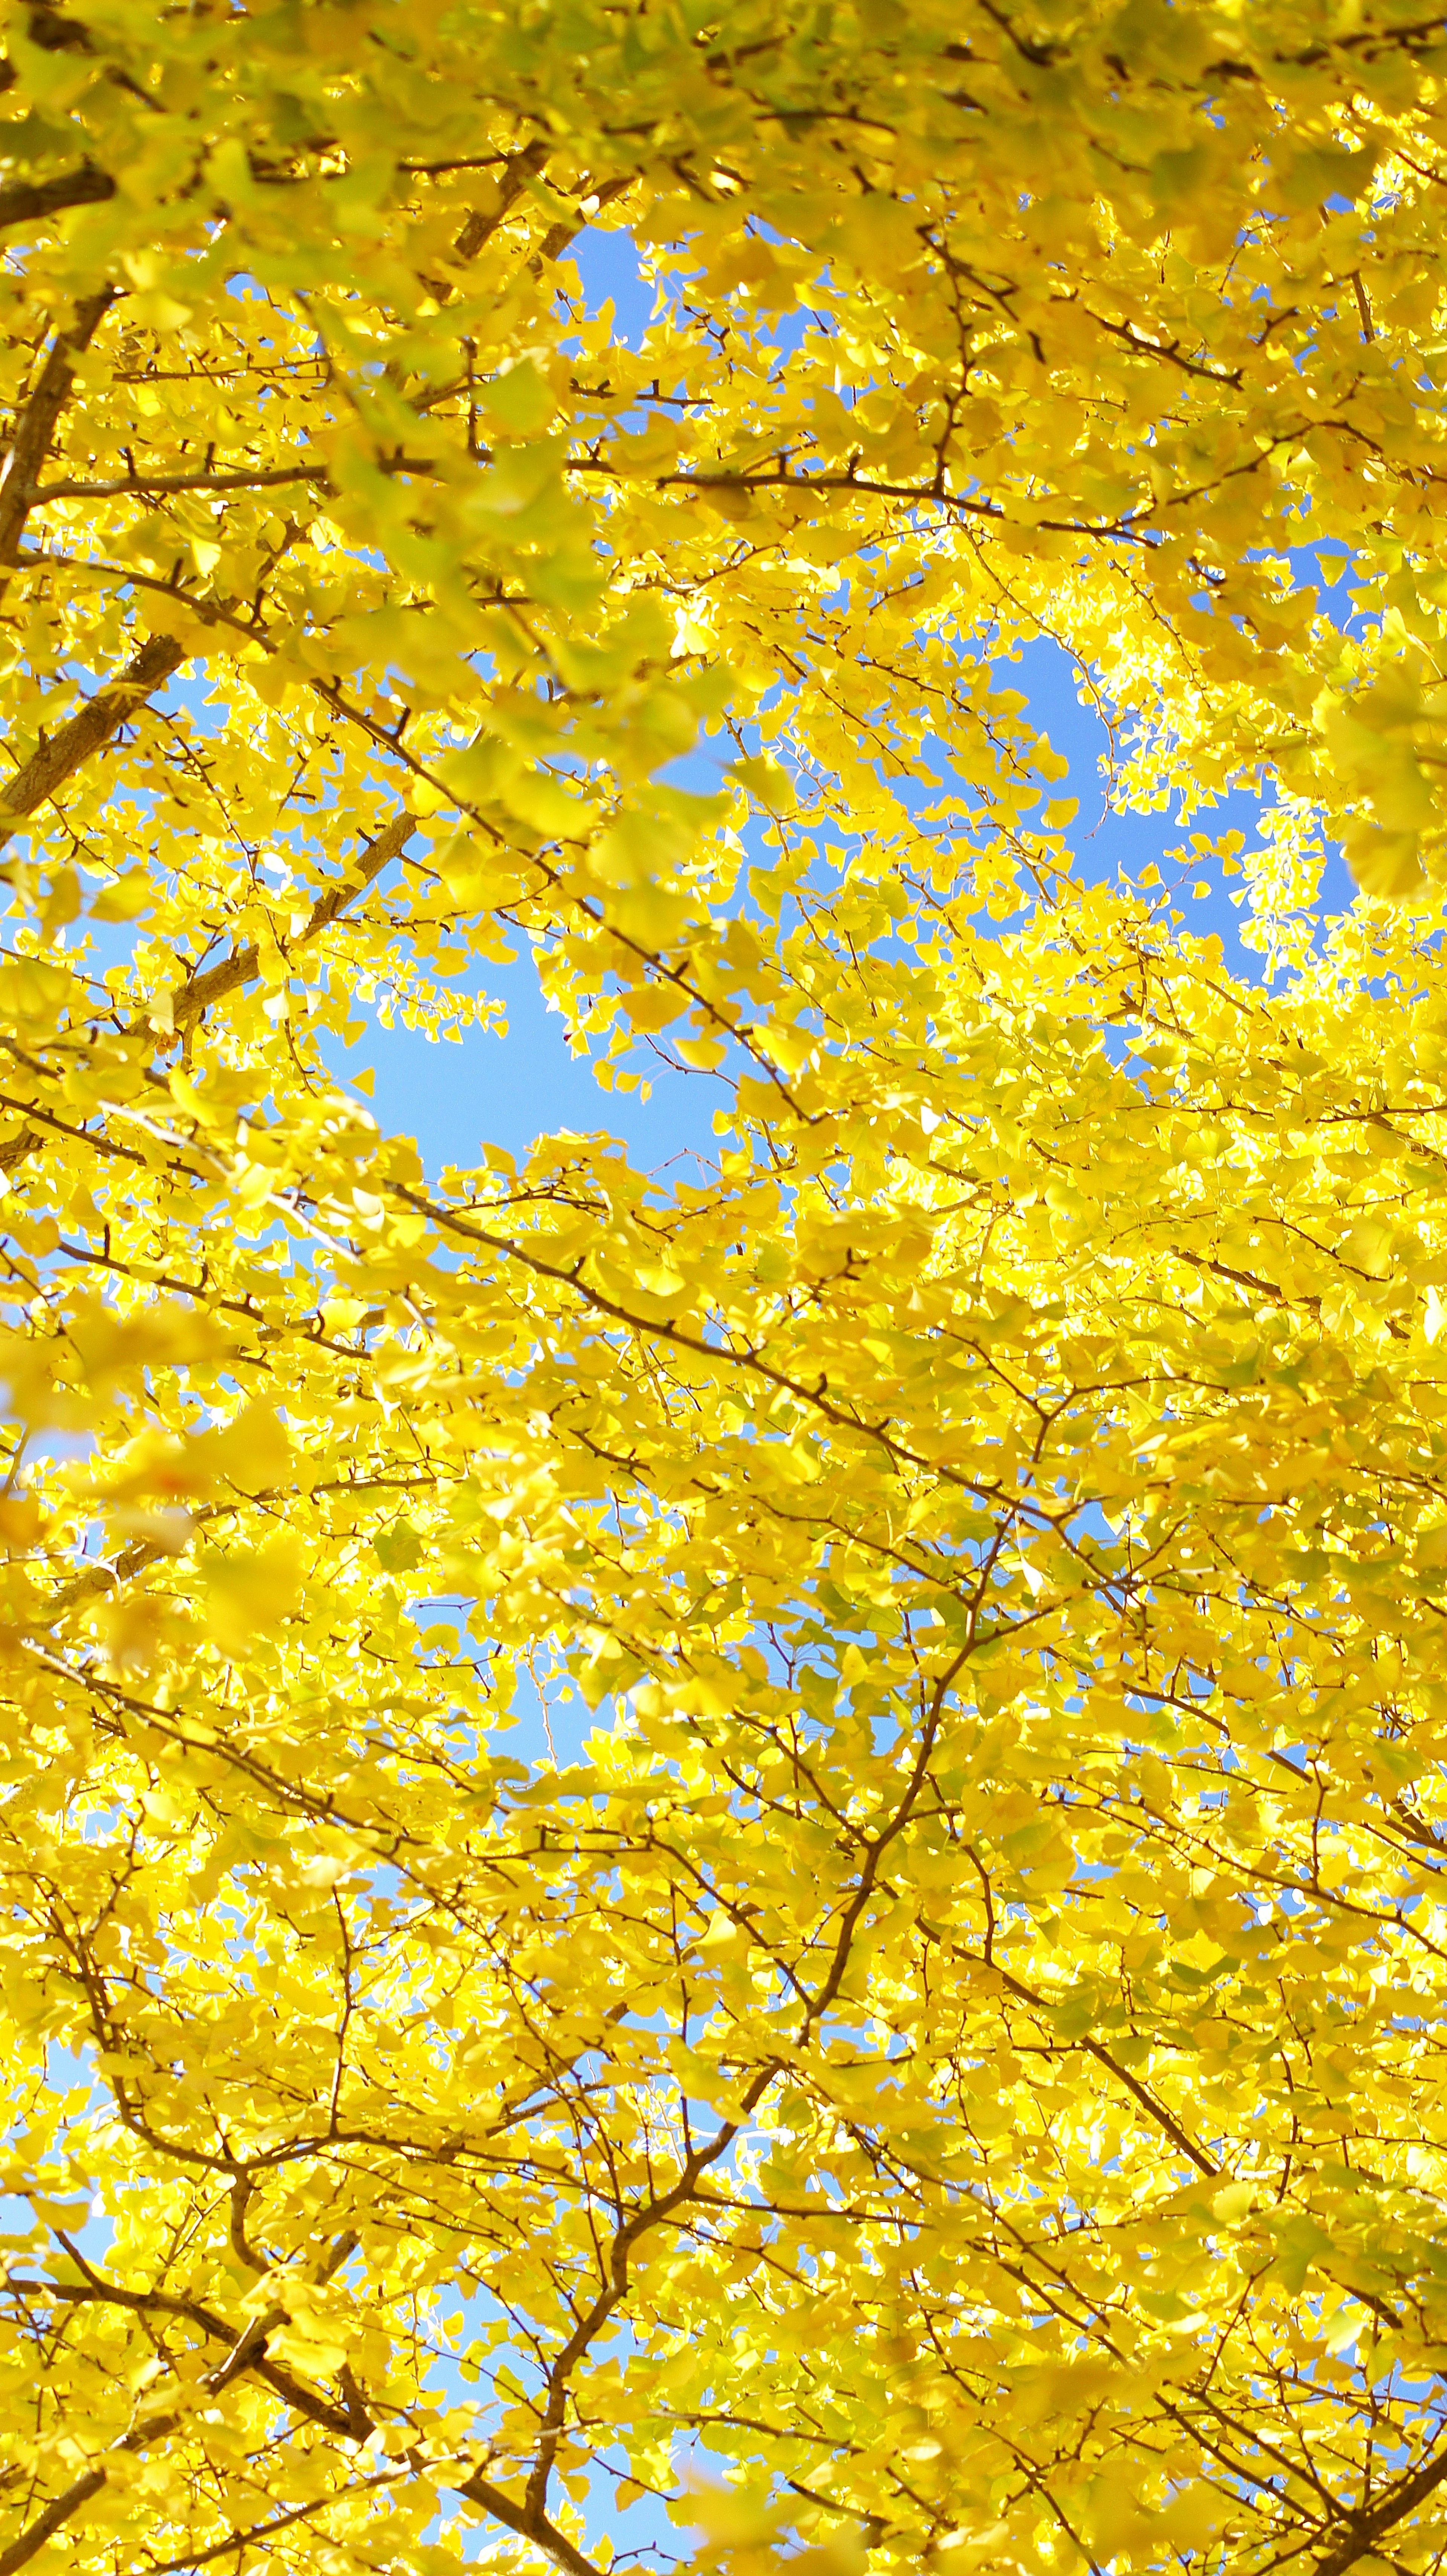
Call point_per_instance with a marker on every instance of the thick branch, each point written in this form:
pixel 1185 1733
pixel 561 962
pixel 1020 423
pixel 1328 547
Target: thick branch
pixel 17 1149
pixel 260 478
pixel 248 2354
pixel 36 426
pixel 1364 2530
pixel 558 236
pixel 53 33
pixel 28 201
pixel 103 715
pixel 479 228
pixel 529 2526
pixel 57 2513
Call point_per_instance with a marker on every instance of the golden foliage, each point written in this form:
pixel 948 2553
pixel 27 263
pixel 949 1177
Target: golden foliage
pixel 962 2042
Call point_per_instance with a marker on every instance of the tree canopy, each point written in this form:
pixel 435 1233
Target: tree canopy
pixel 958 2054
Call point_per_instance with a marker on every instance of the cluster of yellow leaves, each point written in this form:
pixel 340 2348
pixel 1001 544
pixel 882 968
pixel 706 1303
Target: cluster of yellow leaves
pixel 963 2041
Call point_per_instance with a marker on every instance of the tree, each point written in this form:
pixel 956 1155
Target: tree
pixel 963 2045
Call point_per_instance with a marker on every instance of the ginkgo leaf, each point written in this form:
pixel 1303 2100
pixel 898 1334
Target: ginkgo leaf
pixel 247 1594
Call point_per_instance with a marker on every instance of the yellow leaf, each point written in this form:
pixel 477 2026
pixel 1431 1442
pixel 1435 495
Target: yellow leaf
pixel 248 1595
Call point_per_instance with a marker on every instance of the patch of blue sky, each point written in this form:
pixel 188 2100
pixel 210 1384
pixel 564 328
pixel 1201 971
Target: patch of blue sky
pixel 517 1079
pixel 609 267
pixel 547 1724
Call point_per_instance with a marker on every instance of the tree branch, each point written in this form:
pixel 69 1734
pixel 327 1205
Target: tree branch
pixel 199 991
pixel 103 715
pixel 28 201
pixel 1364 2530
pixel 52 33
pixel 57 2512
pixel 248 2354
pixel 262 478
pixel 36 426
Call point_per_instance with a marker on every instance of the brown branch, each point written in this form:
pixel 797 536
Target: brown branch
pixel 1364 2530
pixel 1165 2120
pixel 29 201
pixel 36 426
pixel 243 478
pixel 103 715
pixel 260 478
pixel 199 991
pixel 248 2354
pixel 258 2533
pixel 75 1134
pixel 534 2527
pixel 555 241
pixel 532 2517
pixel 724 1355
pixel 52 33
pixel 479 228
pixel 1125 530
pixel 58 2512
pixel 18 1148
